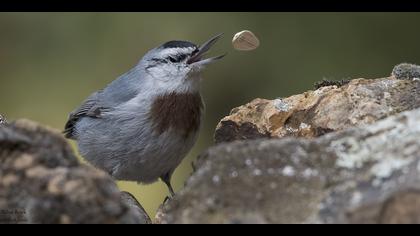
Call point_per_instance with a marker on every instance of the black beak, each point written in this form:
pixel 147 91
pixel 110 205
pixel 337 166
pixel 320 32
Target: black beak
pixel 197 57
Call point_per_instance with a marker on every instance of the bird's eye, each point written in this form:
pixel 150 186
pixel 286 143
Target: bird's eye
pixel 177 58
pixel 172 59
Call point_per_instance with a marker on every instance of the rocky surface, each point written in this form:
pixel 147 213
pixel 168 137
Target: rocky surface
pixel 365 174
pixel 41 181
pixel 327 109
pixel 406 71
pixel 347 152
pixel 2 120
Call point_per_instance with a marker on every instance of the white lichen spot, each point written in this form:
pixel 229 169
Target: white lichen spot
pixel 355 154
pixel 281 105
pixel 416 79
pixel 388 83
pixel 234 174
pixel 257 172
pixel 349 153
pixel 384 169
pixel 248 162
pixel 216 179
pixel 288 171
pixel 304 126
pixel 308 173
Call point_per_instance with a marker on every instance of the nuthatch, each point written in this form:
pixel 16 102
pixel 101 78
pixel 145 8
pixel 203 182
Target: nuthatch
pixel 141 126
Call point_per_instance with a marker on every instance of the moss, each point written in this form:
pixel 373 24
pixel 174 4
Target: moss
pixel 406 71
pixel 325 82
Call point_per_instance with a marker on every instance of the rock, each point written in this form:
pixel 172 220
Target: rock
pixel 41 181
pixel 406 71
pixel 135 206
pixel 365 174
pixel 327 109
pixel 2 119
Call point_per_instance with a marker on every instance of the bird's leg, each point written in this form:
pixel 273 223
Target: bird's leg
pixel 167 180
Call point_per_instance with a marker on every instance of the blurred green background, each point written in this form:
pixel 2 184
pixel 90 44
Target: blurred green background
pixel 50 62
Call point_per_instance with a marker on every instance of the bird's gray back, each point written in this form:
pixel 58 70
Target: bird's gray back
pixel 119 91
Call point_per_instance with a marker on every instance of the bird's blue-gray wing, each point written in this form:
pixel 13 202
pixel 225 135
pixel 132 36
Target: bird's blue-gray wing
pixel 91 107
pixel 119 91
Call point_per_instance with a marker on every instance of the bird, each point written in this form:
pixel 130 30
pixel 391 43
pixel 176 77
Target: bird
pixel 142 125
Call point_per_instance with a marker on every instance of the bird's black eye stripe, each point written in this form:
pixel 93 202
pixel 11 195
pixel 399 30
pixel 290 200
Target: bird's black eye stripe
pixel 177 58
pixel 158 60
pixel 172 59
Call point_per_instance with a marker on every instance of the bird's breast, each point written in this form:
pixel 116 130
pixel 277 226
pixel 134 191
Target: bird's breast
pixel 179 111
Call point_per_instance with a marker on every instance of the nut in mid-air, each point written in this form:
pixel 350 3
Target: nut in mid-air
pixel 142 125
pixel 245 41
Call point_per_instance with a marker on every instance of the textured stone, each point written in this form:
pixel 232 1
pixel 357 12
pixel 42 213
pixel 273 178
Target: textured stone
pixel 2 119
pixel 315 113
pixel 138 210
pixel 365 174
pixel 41 181
pixel 406 71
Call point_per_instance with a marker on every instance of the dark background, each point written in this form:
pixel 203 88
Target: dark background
pixel 50 62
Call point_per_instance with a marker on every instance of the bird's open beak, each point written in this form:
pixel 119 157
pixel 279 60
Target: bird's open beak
pixel 197 58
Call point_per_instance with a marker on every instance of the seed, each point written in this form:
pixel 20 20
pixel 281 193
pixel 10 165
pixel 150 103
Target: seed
pixel 245 41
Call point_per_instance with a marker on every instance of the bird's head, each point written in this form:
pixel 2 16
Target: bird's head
pixel 177 65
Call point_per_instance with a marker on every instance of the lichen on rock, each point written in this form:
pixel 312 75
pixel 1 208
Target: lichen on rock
pixel 364 174
pixel 315 113
pixel 406 71
pixel 344 153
